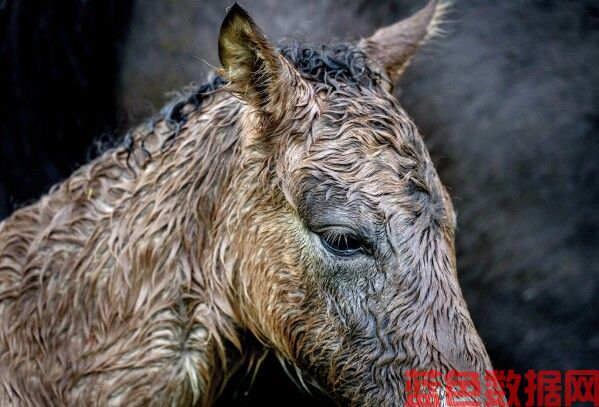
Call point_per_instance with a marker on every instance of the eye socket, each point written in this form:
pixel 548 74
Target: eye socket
pixel 342 244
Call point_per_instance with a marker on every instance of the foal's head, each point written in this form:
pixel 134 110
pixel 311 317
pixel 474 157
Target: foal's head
pixel 346 238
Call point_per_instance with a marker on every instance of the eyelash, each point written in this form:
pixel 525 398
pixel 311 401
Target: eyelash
pixel 342 244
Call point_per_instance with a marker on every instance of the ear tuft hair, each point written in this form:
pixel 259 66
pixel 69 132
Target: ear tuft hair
pixel 248 59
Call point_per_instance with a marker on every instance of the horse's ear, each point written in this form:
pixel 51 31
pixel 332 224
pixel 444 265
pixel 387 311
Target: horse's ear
pixel 248 59
pixel 393 46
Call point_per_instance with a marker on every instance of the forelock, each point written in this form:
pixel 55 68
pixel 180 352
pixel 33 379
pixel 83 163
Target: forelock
pixel 332 64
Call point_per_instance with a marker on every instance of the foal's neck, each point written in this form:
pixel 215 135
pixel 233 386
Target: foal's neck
pixel 122 271
pixel 183 188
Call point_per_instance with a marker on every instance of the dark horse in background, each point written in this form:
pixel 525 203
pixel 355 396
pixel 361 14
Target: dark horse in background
pixel 509 105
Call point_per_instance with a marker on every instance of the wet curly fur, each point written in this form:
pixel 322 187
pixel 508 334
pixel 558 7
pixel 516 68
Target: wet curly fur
pixel 138 280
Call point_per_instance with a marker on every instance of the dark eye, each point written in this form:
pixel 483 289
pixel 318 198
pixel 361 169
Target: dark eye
pixel 342 244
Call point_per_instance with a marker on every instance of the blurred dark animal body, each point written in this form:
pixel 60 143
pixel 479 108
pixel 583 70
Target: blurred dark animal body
pixel 298 211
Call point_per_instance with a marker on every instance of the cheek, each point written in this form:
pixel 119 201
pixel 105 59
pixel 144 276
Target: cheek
pixel 343 288
pixel 347 277
pixel 272 288
pixel 291 266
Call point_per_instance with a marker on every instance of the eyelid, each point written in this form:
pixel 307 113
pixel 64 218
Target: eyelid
pixel 338 229
pixel 340 252
pixel 326 232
